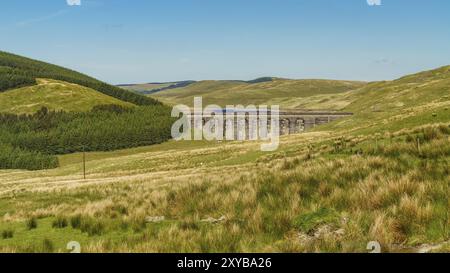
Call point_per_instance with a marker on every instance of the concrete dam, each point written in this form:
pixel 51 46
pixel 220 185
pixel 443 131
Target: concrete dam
pixel 290 121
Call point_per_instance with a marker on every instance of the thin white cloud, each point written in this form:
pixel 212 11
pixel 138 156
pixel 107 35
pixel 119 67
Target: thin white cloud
pixel 41 19
pixel 374 2
pixel 74 2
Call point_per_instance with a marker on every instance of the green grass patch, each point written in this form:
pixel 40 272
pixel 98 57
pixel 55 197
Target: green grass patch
pixel 308 222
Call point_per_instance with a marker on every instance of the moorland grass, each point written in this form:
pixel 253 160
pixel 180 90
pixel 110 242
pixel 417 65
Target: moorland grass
pixel 381 175
pixel 333 201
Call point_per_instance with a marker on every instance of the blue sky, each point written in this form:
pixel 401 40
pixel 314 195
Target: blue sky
pixel 130 41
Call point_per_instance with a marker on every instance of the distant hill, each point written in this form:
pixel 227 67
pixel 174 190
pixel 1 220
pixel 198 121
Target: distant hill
pixel 55 95
pixel 17 71
pixel 155 87
pixel 285 92
pixel 151 88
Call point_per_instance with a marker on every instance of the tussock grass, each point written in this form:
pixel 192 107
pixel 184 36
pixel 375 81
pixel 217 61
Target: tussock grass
pixel 60 222
pixel 318 193
pixel 7 234
pixel 32 223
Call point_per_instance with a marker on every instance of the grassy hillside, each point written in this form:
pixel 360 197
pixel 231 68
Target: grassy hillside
pixel 380 175
pixel 421 98
pixel 55 95
pixel 17 71
pixel 287 93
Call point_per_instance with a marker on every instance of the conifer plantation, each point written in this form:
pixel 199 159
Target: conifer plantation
pixel 32 141
pixel 17 71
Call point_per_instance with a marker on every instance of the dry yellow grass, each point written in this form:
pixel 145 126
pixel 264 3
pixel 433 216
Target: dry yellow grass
pixel 258 196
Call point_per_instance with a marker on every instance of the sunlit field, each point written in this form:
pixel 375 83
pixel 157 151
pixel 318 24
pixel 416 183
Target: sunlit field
pixel 321 191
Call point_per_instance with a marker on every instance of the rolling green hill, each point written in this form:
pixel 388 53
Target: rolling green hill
pixel 410 91
pixel 284 92
pixel 17 71
pixel 418 99
pixel 54 95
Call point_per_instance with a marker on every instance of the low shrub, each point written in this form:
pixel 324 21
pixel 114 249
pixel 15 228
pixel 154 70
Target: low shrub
pixel 60 222
pixel 32 223
pixel 7 233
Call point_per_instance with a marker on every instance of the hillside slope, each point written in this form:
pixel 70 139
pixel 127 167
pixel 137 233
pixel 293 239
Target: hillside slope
pixel 17 71
pixel 55 95
pixel 284 92
pixel 418 99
